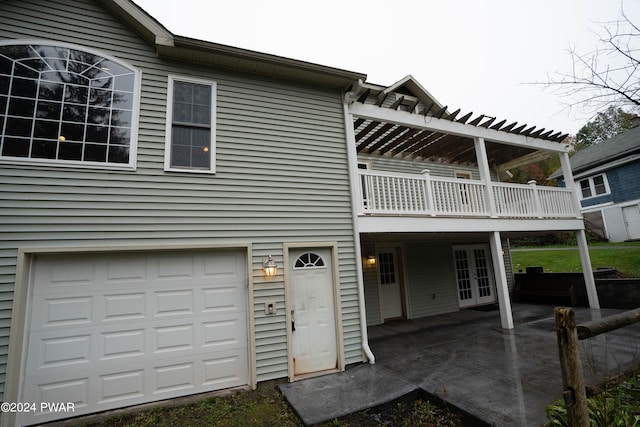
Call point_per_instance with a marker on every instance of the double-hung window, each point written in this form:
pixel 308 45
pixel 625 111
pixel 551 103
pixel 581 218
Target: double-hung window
pixel 594 186
pixel 65 105
pixel 191 112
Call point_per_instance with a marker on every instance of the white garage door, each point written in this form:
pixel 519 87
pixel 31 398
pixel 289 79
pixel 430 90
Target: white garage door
pixel 113 330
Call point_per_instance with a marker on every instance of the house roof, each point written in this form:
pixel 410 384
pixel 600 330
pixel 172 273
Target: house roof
pixel 187 49
pixel 606 152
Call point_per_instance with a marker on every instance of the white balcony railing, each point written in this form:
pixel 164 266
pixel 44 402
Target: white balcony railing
pixel 390 193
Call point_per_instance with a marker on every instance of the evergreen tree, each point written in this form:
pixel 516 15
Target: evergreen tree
pixel 606 124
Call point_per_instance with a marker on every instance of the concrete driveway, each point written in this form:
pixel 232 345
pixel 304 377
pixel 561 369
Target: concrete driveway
pixel 502 377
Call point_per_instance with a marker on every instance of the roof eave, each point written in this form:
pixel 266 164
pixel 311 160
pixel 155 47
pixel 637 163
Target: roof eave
pixel 147 26
pixel 230 57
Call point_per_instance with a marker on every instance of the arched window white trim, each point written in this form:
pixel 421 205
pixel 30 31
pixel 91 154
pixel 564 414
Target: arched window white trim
pixel 309 260
pixel 64 104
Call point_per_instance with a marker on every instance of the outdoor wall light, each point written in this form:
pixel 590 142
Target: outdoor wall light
pixel 269 266
pixel 371 260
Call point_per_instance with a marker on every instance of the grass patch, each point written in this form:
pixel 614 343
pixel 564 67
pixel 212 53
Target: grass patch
pixel 266 407
pixel 624 259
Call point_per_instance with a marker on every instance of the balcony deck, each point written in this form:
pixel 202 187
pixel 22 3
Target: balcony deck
pixel 398 194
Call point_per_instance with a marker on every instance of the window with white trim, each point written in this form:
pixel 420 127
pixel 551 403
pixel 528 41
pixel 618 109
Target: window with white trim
pixel 63 104
pixel 190 144
pixel 594 186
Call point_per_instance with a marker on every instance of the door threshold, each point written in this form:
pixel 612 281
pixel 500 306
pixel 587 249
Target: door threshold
pixel 315 374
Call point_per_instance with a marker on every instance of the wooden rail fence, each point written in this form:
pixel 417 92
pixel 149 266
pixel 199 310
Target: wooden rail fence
pixel 568 335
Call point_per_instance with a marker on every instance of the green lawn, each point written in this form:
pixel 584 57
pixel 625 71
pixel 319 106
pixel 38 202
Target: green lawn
pixel 624 257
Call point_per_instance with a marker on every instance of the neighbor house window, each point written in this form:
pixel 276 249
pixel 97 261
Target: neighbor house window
pixel 190 125
pixel 65 105
pixel 594 186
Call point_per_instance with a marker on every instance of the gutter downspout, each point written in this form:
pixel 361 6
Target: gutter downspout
pixel 353 185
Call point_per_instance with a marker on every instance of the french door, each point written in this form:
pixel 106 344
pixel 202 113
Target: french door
pixel 474 275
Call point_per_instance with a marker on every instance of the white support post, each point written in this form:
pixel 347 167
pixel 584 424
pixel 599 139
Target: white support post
pixel 504 302
pixel 587 271
pixel 536 198
pixel 485 174
pixel 569 182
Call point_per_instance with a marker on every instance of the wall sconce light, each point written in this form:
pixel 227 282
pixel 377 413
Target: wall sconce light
pixel 371 260
pixel 269 266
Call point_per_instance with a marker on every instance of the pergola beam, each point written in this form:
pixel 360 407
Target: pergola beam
pixel 403 118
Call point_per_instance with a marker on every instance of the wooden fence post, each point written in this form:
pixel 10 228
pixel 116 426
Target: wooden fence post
pixel 575 396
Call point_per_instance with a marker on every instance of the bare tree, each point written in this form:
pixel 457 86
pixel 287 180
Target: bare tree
pixel 609 75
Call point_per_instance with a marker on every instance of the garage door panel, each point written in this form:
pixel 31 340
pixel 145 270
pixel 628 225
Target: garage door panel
pixel 225 370
pixel 72 346
pixel 61 388
pixel 173 377
pixel 145 327
pixel 223 298
pixel 55 351
pixel 108 388
pixel 174 338
pixel 65 272
pixel 122 344
pixel 121 386
pixel 227 266
pixel 63 311
pixel 124 271
pixel 222 335
pixel 125 307
pixel 173 302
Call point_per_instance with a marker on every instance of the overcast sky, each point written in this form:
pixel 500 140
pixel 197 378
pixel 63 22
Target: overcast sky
pixel 475 55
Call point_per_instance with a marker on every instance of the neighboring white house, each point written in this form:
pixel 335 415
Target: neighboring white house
pixel 607 176
pixel 180 216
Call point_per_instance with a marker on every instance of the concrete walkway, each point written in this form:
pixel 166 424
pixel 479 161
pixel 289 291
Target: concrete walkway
pixel 502 377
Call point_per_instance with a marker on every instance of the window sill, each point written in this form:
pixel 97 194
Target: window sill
pixel 187 170
pixel 17 161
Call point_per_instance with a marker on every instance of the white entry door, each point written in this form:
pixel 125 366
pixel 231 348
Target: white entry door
pixel 632 221
pixel 390 286
pixel 120 329
pixel 313 327
pixel 474 276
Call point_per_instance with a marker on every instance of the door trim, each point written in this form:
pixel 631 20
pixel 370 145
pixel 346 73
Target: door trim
pixel 337 306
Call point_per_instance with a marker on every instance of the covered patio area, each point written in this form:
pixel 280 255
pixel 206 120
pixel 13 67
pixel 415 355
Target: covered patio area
pixel 502 377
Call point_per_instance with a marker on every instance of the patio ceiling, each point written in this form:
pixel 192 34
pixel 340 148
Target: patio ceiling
pixel 390 138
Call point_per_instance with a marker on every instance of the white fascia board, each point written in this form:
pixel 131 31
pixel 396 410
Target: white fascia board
pixel 162 36
pixel 594 208
pixel 607 166
pixel 387 224
pixel 373 112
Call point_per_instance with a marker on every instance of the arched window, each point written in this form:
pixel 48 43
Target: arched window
pixel 67 105
pixel 309 260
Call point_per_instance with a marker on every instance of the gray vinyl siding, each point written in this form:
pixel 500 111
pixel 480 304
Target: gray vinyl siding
pixel 281 177
pixel 393 164
pixel 428 272
pixel 430 278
